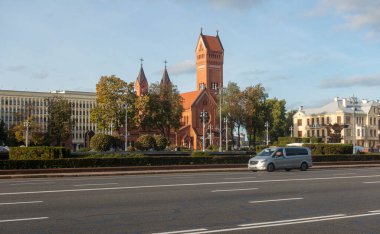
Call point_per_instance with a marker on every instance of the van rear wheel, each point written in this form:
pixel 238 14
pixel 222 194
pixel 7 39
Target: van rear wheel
pixel 270 167
pixel 304 166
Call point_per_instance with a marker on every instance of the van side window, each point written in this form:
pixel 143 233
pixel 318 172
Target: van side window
pixel 296 151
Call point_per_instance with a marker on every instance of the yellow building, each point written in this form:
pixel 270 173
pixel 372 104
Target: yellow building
pixel 344 120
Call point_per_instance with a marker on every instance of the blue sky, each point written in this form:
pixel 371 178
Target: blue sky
pixel 306 52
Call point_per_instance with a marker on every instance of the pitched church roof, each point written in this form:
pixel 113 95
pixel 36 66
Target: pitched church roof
pixel 141 77
pixel 212 43
pixel 189 98
pixel 165 78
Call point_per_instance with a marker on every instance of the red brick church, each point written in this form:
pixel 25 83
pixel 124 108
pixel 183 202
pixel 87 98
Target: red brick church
pixel 209 56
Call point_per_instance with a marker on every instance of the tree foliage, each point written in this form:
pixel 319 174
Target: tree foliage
pixel 276 117
pixel 165 108
pixel 112 94
pixel 3 133
pixel 59 121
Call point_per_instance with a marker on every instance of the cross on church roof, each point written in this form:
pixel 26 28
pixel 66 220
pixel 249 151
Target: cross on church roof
pixel 141 60
pixel 165 62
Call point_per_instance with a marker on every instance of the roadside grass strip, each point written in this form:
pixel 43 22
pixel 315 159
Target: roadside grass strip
pixel 19 220
pixel 290 222
pixel 277 200
pixel 182 231
pixel 232 190
pixel 17 203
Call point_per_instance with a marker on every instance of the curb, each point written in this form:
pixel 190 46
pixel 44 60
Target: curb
pixel 75 172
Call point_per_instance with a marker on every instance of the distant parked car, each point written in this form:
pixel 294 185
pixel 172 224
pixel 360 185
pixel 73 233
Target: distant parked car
pixel 359 149
pixel 4 149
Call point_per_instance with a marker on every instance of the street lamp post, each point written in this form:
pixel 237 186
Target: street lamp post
pixel 226 121
pixel 267 130
pixel 220 119
pixel 354 101
pixel 27 125
pixel 203 119
pixel 126 128
pixel 210 134
pixel 291 131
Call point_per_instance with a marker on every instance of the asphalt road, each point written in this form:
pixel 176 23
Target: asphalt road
pixel 315 201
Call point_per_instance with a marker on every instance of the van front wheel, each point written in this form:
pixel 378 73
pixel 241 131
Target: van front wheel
pixel 270 167
pixel 303 166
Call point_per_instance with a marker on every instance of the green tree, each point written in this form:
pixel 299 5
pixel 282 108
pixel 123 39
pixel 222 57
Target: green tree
pixel 3 133
pixel 233 107
pixel 254 111
pixel 165 108
pixel 112 94
pixel 276 117
pixel 289 121
pixel 59 120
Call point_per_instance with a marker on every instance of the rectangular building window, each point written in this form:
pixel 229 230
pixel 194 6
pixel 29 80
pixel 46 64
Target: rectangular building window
pixel 299 122
pixel 339 119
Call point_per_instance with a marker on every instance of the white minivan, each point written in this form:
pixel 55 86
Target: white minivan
pixel 287 158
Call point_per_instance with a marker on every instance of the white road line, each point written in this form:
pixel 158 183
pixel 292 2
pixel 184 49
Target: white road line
pixel 345 174
pixel 78 185
pixel 327 218
pixel 276 200
pixel 183 185
pixel 374 211
pixel 183 231
pixel 16 203
pixel 32 183
pixel 238 178
pixel 232 190
pixel 26 219
pixel 371 182
pixel 290 220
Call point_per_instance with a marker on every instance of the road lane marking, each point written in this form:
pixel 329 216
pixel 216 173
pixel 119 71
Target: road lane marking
pixel 183 231
pixel 232 190
pixel 277 200
pixel 372 182
pixel 32 183
pixel 26 219
pixel 345 174
pixel 374 211
pixel 290 220
pixel 78 185
pixel 183 185
pixel 327 218
pixel 238 178
pixel 16 203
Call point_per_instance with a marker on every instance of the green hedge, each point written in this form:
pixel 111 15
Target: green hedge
pixel 345 157
pixel 320 149
pixel 38 152
pixel 120 162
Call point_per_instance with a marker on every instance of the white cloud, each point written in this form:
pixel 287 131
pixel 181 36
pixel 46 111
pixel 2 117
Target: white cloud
pixel 238 5
pixel 358 81
pixel 357 14
pixel 185 67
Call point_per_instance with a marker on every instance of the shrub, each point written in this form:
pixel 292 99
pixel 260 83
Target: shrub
pixel 320 149
pixel 131 149
pixel 213 148
pixel 101 142
pixel 260 147
pixel 199 153
pixel 160 142
pixel 145 142
pixel 38 152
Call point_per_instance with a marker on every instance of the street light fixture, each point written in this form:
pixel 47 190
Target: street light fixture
pixel 226 121
pixel 267 130
pixel 126 128
pixel 354 100
pixel 291 131
pixel 220 118
pixel 27 125
pixel 203 117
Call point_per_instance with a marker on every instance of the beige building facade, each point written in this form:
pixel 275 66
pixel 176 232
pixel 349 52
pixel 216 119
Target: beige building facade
pixel 26 103
pixel 344 120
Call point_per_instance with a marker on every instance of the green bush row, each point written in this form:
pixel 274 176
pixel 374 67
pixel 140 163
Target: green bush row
pixel 345 157
pixel 317 149
pixel 38 152
pixel 120 162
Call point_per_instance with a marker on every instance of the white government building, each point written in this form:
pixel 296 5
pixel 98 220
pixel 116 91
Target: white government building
pixel 12 102
pixel 359 120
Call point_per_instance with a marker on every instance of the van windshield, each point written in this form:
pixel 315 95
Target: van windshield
pixel 266 152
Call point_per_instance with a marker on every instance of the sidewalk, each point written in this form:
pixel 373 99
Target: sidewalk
pixel 117 171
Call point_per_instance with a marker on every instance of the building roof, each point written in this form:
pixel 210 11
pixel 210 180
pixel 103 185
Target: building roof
pixel 212 43
pixel 141 77
pixel 344 105
pixel 189 98
pixel 165 78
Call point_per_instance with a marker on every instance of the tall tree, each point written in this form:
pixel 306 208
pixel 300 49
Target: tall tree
pixel 233 107
pixel 254 111
pixel 3 133
pixel 276 117
pixel 165 108
pixel 289 121
pixel 112 94
pixel 59 120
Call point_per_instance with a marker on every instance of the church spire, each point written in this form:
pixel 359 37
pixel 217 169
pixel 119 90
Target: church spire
pixel 165 77
pixel 141 84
